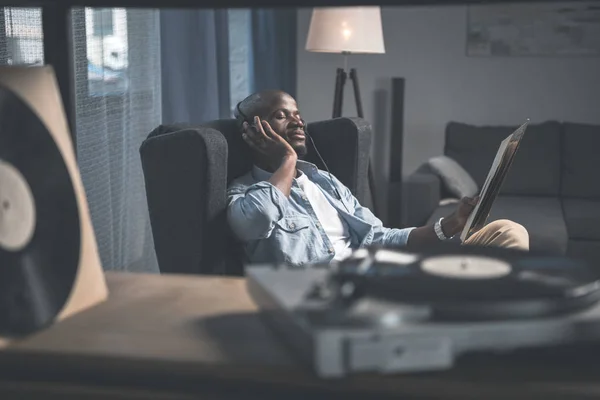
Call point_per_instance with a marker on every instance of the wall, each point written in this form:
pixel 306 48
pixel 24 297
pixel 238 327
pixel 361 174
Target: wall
pixel 426 46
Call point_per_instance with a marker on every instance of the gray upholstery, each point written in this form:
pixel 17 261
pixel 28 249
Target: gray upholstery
pixel 180 166
pixel 422 196
pixel 454 178
pixel 546 226
pixel 551 188
pixel 581 161
pixel 585 249
pixel 186 172
pixel 582 218
pixel 536 169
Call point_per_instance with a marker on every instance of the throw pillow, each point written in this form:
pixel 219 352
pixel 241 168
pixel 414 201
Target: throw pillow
pixel 455 179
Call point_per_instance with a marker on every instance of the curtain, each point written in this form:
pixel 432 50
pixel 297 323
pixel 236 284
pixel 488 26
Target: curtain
pixel 118 102
pixel 273 52
pixel 195 65
pixel 211 59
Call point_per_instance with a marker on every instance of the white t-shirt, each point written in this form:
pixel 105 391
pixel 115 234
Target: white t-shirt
pixel 333 225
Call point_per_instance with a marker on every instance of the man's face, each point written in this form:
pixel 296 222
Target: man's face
pixel 284 118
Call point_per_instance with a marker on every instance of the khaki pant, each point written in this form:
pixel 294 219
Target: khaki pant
pixel 501 233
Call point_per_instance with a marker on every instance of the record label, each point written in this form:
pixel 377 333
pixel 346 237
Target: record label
pixel 466 267
pixel 17 209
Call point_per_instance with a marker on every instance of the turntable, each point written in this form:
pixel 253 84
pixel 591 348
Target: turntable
pixel 387 311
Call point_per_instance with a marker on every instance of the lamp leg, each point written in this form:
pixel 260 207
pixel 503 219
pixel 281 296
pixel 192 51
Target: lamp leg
pixel 338 96
pixel 359 112
pixel 357 98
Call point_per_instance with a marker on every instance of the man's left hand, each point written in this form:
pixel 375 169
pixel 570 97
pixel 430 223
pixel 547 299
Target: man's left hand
pixel 465 208
pixel 455 222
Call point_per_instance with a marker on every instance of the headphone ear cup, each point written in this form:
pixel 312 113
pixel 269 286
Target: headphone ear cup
pixel 237 112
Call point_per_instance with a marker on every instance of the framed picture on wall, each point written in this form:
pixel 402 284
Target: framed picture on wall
pixel 535 29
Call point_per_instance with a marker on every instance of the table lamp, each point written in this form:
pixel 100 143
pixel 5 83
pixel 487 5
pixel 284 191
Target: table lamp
pixel 346 30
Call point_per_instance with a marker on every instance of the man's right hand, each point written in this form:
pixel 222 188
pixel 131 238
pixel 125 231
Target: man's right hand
pixel 269 144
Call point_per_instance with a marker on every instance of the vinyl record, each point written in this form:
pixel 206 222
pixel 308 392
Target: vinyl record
pixel 474 283
pixel 39 222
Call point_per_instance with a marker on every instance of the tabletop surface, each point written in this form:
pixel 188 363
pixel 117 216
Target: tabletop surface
pixel 208 328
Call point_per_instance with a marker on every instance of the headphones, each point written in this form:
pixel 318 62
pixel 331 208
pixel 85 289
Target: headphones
pixel 240 114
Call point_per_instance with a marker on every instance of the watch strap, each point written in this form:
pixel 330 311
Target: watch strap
pixel 437 227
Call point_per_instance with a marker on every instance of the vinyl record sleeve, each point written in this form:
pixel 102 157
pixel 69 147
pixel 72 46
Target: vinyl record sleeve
pixel 37 87
pixel 37 276
pixel 496 175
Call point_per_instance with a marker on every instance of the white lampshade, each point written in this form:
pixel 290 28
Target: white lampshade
pixel 345 29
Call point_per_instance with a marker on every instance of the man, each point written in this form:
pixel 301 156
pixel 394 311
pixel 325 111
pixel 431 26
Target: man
pixel 286 210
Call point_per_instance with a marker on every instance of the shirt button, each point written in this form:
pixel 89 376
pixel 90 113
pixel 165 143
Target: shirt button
pixel 292 225
pixel 330 250
pixel 318 225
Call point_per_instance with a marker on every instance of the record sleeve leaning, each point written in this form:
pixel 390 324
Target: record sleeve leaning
pixel 48 253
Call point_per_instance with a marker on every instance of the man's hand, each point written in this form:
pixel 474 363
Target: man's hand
pixel 279 156
pixel 451 225
pixel 268 143
pixel 465 208
pixel 456 221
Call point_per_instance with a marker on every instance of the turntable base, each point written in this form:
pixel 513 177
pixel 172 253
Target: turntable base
pixel 175 337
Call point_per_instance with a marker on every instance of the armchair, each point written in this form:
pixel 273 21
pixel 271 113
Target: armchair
pixel 187 169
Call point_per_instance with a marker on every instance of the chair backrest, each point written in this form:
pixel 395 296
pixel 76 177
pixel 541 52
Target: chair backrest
pixel 187 169
pixel 238 156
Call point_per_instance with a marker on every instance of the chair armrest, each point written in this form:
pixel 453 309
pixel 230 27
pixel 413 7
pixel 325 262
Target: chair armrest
pixel 345 144
pixel 421 197
pixel 185 178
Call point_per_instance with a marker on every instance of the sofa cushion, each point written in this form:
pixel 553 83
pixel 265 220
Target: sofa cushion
pixel 580 161
pixel 541 216
pixel 587 250
pixel 455 179
pixel 582 218
pixel 536 168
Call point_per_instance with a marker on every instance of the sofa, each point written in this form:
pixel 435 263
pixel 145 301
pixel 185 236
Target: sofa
pixel 187 169
pixel 552 188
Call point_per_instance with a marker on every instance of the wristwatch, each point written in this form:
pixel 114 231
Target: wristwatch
pixel 437 227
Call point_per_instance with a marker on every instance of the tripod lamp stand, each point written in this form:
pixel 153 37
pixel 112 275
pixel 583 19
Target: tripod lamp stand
pixel 346 31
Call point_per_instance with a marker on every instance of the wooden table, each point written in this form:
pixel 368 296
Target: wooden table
pixel 175 337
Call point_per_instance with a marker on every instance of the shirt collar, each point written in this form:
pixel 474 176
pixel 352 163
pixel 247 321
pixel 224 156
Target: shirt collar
pixel 308 168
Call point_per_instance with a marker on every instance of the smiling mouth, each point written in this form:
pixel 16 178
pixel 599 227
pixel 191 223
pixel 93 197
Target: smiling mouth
pixel 297 135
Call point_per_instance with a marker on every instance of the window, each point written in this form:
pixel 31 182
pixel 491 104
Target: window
pixel 102 21
pixel 21 37
pixel 107 53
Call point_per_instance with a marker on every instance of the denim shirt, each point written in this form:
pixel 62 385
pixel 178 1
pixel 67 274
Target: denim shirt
pixel 278 229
